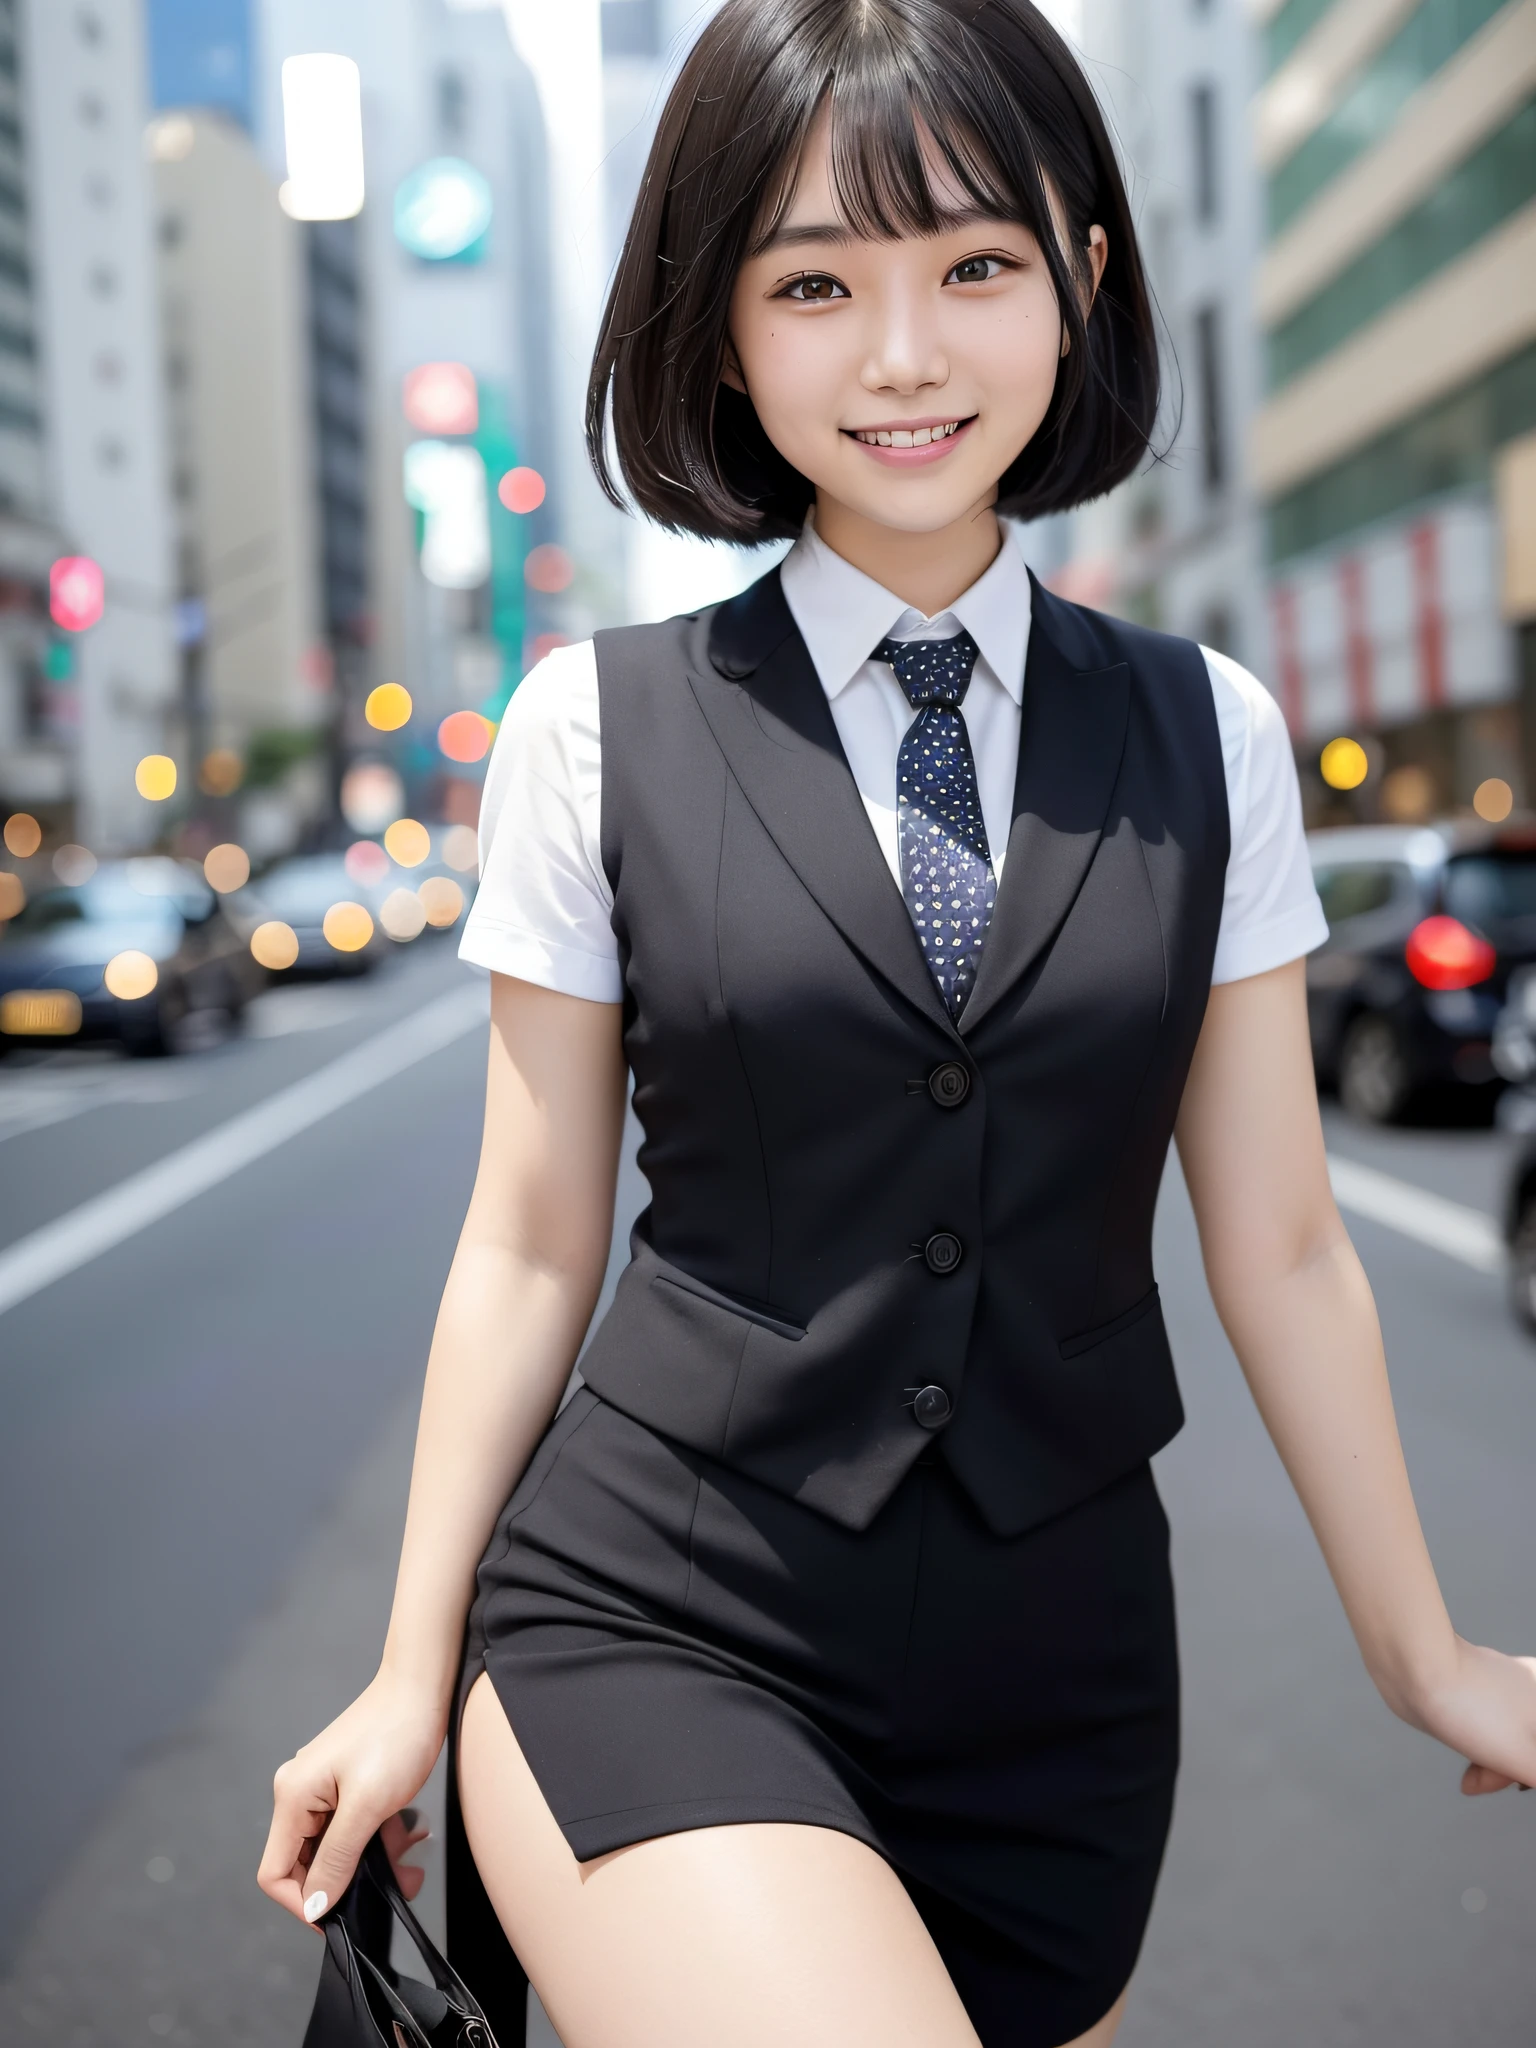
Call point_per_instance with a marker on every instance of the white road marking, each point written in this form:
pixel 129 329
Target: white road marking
pixel 58 1248
pixel 1449 1227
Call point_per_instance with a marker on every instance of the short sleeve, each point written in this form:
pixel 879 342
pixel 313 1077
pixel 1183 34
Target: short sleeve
pixel 542 912
pixel 1270 912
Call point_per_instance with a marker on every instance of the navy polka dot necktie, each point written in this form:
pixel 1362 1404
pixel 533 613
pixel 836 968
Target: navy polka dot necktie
pixel 946 864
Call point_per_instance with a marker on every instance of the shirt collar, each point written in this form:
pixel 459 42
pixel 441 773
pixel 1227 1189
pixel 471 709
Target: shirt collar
pixel 843 615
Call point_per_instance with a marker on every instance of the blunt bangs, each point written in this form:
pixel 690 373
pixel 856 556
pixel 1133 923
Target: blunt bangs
pixel 997 95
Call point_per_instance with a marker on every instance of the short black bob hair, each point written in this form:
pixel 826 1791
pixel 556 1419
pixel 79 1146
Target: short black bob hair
pixel 1009 109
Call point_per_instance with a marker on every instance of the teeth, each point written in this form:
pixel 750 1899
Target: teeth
pixel 905 437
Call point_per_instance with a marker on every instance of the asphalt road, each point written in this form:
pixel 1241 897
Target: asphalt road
pixel 204 1437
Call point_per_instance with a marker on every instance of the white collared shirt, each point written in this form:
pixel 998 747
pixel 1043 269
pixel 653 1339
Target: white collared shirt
pixel 544 904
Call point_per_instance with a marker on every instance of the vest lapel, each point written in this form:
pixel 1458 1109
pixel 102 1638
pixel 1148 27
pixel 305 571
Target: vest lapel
pixel 1071 737
pixel 771 720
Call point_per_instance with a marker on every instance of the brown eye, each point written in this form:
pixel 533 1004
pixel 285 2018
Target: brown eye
pixel 816 291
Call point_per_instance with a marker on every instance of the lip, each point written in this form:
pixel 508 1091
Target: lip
pixel 909 458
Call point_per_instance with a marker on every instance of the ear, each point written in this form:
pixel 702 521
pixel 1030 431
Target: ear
pixel 730 369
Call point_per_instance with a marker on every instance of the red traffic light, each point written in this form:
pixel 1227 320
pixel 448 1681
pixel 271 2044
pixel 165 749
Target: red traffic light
pixel 77 593
pixel 1442 953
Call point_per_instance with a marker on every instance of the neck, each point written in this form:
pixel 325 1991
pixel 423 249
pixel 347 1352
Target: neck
pixel 926 570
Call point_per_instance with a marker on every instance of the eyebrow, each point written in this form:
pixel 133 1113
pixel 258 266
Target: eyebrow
pixel 839 235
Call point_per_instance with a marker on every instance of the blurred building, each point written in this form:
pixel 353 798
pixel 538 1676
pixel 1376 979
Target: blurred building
pixel 81 310
pixel 458 357
pixel 1179 547
pixel 36 707
pixel 232 274
pixel 1395 451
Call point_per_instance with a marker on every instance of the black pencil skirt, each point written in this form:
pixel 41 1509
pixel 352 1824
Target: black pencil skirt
pixel 676 1647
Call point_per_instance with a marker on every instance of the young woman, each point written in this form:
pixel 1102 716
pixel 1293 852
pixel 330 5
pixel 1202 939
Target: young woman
pixel 821 1679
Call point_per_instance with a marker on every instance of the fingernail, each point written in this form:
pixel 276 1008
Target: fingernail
pixel 411 1815
pixel 315 1905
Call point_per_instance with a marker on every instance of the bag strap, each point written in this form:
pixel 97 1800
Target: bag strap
pixel 380 1873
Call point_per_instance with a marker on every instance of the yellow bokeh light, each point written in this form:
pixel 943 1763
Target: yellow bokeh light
pixel 155 777
pixel 461 848
pixel 442 900
pixel 347 927
pixel 407 843
pixel 1344 764
pixel 23 835
pixel 131 976
pixel 402 915
pixel 13 897
pixel 274 945
pixel 222 772
pixel 227 868
pixel 388 707
pixel 1493 800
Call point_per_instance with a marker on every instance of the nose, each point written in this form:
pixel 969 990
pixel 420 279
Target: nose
pixel 905 352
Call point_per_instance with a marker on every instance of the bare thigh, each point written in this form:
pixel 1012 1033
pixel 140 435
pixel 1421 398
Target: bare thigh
pixel 757 1935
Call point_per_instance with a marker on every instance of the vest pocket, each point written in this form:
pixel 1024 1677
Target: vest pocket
pixel 749 1312
pixel 1074 1347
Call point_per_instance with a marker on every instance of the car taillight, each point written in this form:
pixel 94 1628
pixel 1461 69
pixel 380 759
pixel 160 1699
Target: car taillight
pixel 1442 953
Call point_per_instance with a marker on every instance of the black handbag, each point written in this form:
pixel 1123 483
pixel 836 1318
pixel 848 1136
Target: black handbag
pixel 362 2001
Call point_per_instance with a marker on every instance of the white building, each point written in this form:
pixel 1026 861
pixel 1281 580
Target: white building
pixel 238 411
pixel 1179 546
pixel 83 70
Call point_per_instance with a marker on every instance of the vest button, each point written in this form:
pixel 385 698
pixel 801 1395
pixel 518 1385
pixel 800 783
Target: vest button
pixel 943 1251
pixel 949 1084
pixel 932 1407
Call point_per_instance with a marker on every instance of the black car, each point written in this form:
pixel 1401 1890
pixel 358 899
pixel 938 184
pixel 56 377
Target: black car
pixel 59 954
pixel 1425 926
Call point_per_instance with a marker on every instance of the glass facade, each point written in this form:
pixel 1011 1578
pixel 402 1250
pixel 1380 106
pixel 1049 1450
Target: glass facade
pixel 1288 27
pixel 1446 447
pixel 1473 200
pixel 1432 34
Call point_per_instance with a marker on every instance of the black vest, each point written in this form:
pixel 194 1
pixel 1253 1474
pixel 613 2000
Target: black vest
pixel 813 1120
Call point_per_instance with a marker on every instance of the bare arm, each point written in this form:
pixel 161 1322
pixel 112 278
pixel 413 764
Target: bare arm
pixel 1295 1302
pixel 520 1293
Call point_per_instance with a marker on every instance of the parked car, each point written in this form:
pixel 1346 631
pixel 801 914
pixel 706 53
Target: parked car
pixel 299 892
pixel 56 952
pixel 1514 1055
pixel 1425 926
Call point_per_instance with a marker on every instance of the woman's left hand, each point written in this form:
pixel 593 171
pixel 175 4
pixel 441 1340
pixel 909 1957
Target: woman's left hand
pixel 1486 1710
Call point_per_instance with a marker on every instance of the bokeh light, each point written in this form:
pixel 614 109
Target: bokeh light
pixel 461 848
pixel 347 927
pixel 155 777
pixel 366 862
pixel 465 736
pixel 1441 953
pixel 77 593
pixel 222 772
pixel 521 490
pixel 549 569
pixel 131 976
pixel 227 868
pixel 1408 794
pixel 1344 764
pixel 13 897
pixel 74 865
pixel 275 945
pixel 23 835
pixel 1493 800
pixel 442 398
pixel 442 210
pixel 443 901
pixel 371 794
pixel 323 137
pixel 407 843
pixel 402 915
pixel 388 707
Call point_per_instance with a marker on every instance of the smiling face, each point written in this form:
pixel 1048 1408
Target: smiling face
pixel 901 376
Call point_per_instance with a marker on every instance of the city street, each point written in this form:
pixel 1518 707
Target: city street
pixel 204 1439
